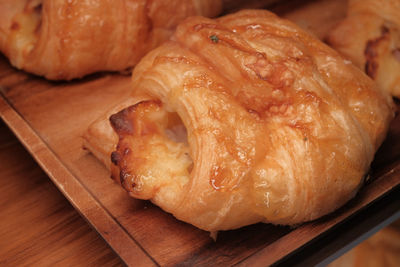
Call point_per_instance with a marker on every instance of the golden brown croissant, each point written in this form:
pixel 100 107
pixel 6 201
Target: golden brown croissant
pixel 68 39
pixel 370 38
pixel 247 119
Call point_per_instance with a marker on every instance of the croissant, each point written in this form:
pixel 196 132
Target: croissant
pixel 246 119
pixel 63 40
pixel 370 38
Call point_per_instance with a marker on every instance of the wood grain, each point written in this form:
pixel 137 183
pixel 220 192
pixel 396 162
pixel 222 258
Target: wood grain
pixel 50 118
pixel 76 192
pixel 38 226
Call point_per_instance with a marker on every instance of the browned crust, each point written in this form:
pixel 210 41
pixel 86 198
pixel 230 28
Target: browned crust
pixel 371 53
pixel 15 26
pixel 123 124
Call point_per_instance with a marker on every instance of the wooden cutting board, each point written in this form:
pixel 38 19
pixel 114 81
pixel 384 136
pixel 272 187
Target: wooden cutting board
pixel 50 118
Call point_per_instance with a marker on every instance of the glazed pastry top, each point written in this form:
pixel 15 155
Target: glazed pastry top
pixel 248 119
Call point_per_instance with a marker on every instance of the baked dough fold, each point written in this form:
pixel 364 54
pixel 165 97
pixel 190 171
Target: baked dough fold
pixel 246 119
pixel 62 40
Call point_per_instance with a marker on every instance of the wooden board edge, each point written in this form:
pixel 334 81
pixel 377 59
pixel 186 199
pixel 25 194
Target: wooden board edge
pixel 128 249
pixel 281 247
pixel 348 234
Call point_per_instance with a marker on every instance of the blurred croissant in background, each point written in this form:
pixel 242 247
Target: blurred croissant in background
pixel 67 39
pixel 244 119
pixel 370 38
pixel 380 250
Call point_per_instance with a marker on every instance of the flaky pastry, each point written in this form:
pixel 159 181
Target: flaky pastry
pixel 62 40
pixel 246 119
pixel 370 37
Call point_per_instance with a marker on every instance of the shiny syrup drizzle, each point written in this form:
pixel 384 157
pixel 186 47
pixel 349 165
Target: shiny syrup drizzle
pixel 216 179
